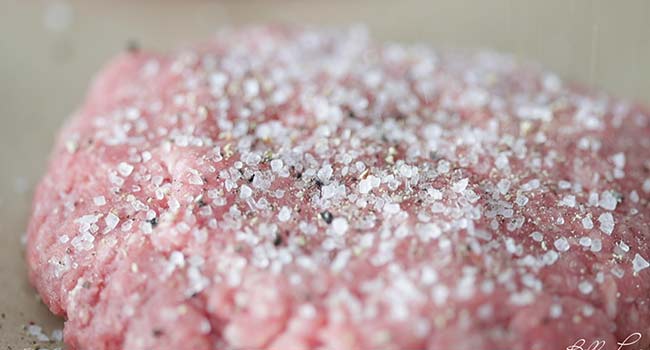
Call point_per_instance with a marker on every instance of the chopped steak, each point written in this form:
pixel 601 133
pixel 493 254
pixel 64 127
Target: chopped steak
pixel 278 188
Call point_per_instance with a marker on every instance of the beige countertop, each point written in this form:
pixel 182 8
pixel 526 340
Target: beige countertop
pixel 49 49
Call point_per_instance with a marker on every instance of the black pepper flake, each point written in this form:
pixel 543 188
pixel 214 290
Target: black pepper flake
pixel 154 221
pixel 132 46
pixel 327 217
pixel 157 333
pixel 277 241
pixel 201 203
pixel 297 174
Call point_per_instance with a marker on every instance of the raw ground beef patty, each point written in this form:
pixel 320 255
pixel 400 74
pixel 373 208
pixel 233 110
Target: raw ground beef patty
pixel 295 189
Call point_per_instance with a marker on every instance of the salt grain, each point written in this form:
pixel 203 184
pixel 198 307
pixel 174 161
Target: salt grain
pixel 561 244
pixel 245 192
pixel 405 171
pixel 285 214
pixel 521 200
pixel 99 201
pixel 585 287
pixel 608 201
pixel 443 167
pixel 639 263
pixel 391 208
pixel 340 226
pixel 325 173
pixel 606 221
pixel 125 169
pixel 568 201
pixel 555 311
pixel 596 245
pixel 503 186
pixel 276 165
pixel 619 160
pixel 111 221
pixel 365 186
pixel 460 185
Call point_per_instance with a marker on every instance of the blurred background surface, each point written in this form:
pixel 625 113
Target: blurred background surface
pixel 49 49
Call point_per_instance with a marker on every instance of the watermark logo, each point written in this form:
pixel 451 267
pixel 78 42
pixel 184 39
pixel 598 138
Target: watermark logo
pixel 581 344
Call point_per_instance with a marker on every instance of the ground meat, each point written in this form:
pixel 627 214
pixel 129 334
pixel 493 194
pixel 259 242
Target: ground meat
pixel 280 188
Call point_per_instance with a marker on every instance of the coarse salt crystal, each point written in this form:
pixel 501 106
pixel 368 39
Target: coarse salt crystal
pixel 585 241
pixel 550 257
pixel 555 311
pixel 405 171
pixel 585 287
pixel 501 161
pixel 428 231
pixel 125 169
pixel 115 179
pixel 276 165
pixel 608 201
pixel 460 185
pixel 57 335
pixel 251 88
pixel 245 192
pixel 111 221
pixel 340 226
pixel 341 260
pixel 177 258
pixel 146 227
pixel 537 236
pixel 587 223
pixel 503 186
pixel 365 186
pixel 596 245
pixel 325 173
pixel 218 81
pixel 195 179
pixel 639 263
pixel 329 191
pixel 606 221
pixel 531 185
pixel 392 208
pixel 561 244
pixel 99 201
pixel 285 214
pixel 568 201
pixel 443 167
pixel 521 200
pixel 619 160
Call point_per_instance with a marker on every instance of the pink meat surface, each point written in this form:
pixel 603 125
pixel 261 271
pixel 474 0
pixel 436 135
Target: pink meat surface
pixel 292 189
